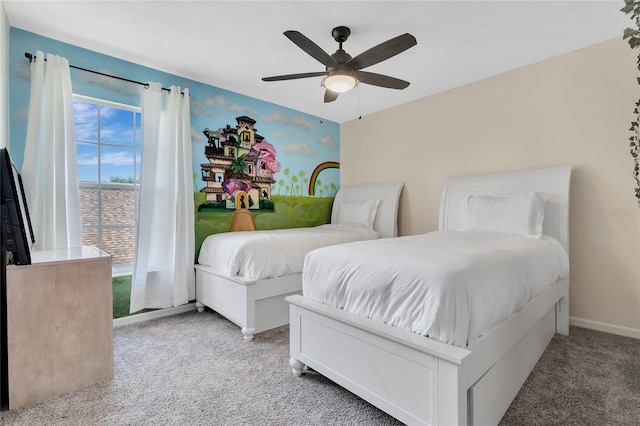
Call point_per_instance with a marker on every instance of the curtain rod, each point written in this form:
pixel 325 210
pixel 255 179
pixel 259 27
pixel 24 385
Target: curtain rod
pixel 31 57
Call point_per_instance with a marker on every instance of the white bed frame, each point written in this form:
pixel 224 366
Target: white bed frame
pixel 259 305
pixel 419 380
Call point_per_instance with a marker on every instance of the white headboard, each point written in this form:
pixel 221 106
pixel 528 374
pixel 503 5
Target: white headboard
pixel 386 221
pixel 554 181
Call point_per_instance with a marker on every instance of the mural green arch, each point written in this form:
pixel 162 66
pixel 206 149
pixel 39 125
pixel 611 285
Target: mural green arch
pixel 314 175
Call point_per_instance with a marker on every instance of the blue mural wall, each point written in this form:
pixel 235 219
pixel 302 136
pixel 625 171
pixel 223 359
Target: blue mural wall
pixel 300 145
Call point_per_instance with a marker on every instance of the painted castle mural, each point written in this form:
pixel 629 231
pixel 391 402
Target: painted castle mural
pixel 240 162
pixel 241 169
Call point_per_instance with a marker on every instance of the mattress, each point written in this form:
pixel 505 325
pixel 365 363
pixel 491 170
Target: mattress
pixel 259 255
pixel 449 285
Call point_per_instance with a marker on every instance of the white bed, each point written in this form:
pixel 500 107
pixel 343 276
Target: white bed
pixel 245 276
pixel 423 380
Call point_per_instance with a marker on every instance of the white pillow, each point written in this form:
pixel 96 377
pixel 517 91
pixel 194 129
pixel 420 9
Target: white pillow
pixel 521 213
pixel 357 213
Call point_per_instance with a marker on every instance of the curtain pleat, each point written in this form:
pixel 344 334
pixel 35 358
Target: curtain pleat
pixel 163 272
pixel 49 170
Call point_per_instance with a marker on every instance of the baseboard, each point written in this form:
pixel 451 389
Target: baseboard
pixel 578 322
pixel 146 316
pixel 608 328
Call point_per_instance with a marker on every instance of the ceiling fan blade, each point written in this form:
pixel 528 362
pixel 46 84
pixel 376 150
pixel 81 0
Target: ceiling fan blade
pixel 381 80
pixel 383 51
pixel 294 76
pixel 330 96
pixel 311 48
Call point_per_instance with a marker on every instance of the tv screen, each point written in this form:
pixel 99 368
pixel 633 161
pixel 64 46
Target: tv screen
pixel 17 233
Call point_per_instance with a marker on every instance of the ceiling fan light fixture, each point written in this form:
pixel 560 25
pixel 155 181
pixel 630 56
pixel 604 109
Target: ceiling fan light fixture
pixel 339 83
pixel 342 71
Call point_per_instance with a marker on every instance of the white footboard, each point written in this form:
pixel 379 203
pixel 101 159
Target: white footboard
pixel 396 375
pixel 416 379
pixel 255 306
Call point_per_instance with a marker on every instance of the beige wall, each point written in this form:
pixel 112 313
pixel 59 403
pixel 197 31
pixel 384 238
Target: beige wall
pixel 572 110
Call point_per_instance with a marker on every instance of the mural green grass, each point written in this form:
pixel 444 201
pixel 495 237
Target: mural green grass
pixel 290 212
pixel 122 297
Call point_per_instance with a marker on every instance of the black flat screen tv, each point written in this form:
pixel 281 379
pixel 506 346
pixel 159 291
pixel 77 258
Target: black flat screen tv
pixel 17 233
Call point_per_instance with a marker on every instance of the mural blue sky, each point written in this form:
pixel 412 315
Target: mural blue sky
pixel 301 141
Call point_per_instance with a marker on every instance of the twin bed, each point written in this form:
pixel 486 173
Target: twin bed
pixel 438 329
pixel 443 328
pixel 245 276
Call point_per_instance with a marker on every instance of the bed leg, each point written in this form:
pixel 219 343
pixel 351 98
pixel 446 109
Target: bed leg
pixel 248 333
pixel 562 316
pixel 200 307
pixel 296 366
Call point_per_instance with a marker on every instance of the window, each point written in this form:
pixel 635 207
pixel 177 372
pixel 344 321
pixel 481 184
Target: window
pixel 108 148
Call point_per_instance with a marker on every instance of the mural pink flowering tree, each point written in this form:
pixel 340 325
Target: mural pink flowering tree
pixel 230 186
pixel 266 154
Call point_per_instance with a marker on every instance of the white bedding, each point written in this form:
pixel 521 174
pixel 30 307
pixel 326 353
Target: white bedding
pixel 451 286
pixel 258 255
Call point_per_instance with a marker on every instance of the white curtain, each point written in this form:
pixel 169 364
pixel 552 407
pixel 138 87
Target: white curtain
pixel 163 272
pixel 49 169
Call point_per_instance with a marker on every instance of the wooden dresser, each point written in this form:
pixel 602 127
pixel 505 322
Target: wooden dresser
pixel 59 323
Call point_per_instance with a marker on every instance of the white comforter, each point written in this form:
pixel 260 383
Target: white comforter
pixel 258 255
pixel 451 286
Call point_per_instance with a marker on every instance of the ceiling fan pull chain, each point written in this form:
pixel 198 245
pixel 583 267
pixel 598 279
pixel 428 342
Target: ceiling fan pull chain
pixel 359 103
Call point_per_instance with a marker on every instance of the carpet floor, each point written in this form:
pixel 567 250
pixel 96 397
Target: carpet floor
pixel 195 369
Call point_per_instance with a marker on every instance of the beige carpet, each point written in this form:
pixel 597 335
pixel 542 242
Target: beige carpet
pixel 195 369
pixel 586 378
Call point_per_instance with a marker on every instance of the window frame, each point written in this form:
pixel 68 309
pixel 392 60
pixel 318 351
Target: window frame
pixel 136 148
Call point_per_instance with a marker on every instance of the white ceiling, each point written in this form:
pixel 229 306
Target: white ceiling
pixel 233 44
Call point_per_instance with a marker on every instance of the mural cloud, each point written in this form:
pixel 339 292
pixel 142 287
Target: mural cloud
pixel 214 101
pixel 301 148
pixel 328 142
pixel 24 71
pixel 111 84
pixel 281 117
pixel 196 135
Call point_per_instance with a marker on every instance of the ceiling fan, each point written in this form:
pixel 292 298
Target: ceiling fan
pixel 343 72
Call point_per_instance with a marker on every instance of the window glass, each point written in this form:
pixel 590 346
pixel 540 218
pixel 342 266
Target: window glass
pixel 87 158
pixel 118 205
pixel 108 148
pixel 119 242
pixel 85 121
pixel 117 164
pixel 116 126
pixel 138 118
pixel 90 209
